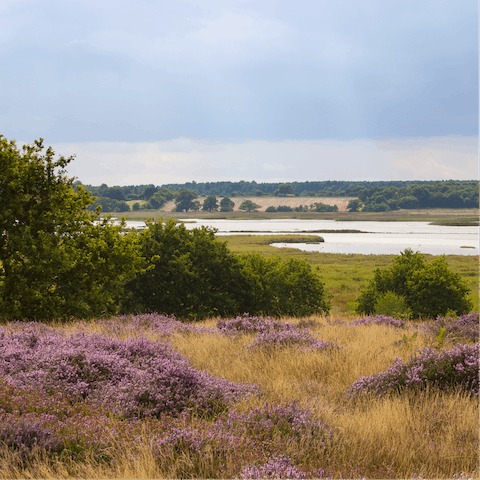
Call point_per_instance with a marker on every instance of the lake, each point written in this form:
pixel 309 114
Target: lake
pixel 387 238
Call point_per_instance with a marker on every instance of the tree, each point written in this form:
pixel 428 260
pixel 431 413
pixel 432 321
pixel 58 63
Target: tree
pixel 354 205
pixel 57 259
pixel 210 204
pixel 184 200
pixel 284 189
pixel 189 274
pixel 249 206
pixel 226 205
pixel 427 289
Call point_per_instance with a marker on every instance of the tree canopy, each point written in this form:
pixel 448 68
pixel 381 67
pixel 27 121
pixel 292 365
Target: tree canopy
pixel 56 258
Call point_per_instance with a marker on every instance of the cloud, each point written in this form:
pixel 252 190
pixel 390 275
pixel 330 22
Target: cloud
pixel 182 160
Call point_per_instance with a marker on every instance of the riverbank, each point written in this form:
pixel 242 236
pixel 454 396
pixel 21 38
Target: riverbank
pixel 460 217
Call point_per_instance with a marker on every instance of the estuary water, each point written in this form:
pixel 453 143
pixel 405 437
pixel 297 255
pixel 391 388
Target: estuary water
pixel 377 238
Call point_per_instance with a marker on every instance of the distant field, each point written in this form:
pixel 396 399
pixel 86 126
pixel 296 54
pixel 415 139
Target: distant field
pixel 345 276
pixel 292 202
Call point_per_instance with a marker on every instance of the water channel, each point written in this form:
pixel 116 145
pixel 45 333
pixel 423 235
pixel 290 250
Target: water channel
pixel 387 238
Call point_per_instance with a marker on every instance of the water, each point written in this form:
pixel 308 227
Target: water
pixel 387 238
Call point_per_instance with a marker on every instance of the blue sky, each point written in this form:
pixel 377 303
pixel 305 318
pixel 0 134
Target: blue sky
pixel 270 90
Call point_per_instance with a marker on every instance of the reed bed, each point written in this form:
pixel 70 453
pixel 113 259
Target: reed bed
pixel 283 410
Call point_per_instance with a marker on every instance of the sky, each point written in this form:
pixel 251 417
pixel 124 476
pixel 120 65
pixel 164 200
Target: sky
pixel 157 92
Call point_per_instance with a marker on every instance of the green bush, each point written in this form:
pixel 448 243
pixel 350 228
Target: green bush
pixel 189 274
pixel 283 287
pixel 428 289
pixel 271 208
pixel 392 305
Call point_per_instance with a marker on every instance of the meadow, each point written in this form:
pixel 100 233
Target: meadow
pixel 345 276
pixel 148 396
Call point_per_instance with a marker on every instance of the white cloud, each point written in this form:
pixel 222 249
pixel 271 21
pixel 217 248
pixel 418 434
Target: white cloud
pixel 182 160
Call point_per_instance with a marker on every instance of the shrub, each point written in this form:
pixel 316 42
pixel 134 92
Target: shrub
pixel 462 329
pixel 278 466
pixel 283 287
pixel 393 305
pixel 271 208
pixel 190 274
pixel 378 320
pixel 427 290
pixel 27 435
pixel 455 368
pixel 134 378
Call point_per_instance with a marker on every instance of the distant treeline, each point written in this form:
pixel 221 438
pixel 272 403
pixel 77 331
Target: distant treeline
pixel 373 196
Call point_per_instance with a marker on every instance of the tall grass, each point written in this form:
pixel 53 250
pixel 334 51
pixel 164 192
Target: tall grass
pixel 428 432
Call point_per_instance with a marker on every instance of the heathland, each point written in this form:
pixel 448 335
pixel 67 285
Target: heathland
pixel 315 392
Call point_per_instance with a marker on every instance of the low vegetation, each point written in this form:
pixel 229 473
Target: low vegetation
pixel 147 396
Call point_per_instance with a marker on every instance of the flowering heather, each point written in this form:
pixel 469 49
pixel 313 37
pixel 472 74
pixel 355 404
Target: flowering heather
pixel 286 338
pixel 455 368
pixel 287 420
pixel 378 320
pixel 136 377
pixel 279 466
pixel 251 324
pixel 27 433
pixel 463 329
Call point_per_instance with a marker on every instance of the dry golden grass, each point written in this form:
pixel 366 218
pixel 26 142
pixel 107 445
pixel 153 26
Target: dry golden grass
pixel 427 433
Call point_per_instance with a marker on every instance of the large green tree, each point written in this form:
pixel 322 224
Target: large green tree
pixel 210 204
pixel 249 206
pixel 184 200
pixel 57 259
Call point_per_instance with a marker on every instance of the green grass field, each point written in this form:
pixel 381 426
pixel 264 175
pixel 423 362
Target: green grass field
pixel 346 275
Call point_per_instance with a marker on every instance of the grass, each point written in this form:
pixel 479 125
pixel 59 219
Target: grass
pixel 429 433
pixel 346 275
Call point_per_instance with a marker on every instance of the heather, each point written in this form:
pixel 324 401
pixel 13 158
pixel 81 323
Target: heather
pixel 464 329
pixel 455 368
pixel 147 396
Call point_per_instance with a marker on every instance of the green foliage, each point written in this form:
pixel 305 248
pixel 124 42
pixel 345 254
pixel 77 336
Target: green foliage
pixel 210 204
pixel 108 204
pixel 429 289
pixel 184 201
pixel 249 206
pixel 322 207
pixel 392 305
pixel 354 205
pixel 57 259
pixel 284 208
pixel 283 287
pixel 284 189
pixel 226 205
pixel 189 274
pixel 271 208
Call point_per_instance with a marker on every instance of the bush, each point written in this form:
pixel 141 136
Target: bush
pixel 283 287
pixel 449 369
pixel 393 305
pixel 132 378
pixel 189 274
pixel 461 329
pixel 271 208
pixel 428 290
